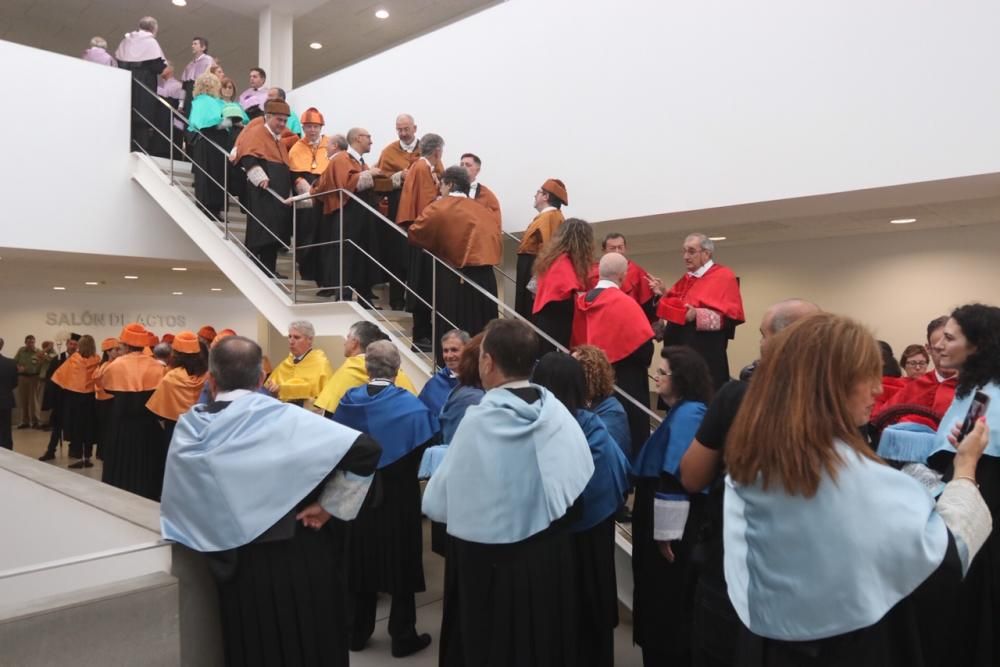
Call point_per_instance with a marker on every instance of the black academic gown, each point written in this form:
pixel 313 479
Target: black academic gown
pixel 136 453
pixel 711 345
pixel 283 597
pixel 462 306
pixel 307 224
pixel 512 604
pixel 594 550
pixel 143 101
pixel 160 141
pixel 524 300
pixel 273 218
pixel 361 228
pixel 556 320
pixel 210 166
pixel 395 253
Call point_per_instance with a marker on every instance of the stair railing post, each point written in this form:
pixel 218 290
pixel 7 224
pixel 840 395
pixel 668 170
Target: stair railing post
pixel 434 292
pixel 340 250
pixel 171 149
pixel 225 199
pixel 295 245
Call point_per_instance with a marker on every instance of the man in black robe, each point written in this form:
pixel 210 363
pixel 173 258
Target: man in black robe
pixel 52 395
pixel 236 489
pixel 140 54
pixel 264 157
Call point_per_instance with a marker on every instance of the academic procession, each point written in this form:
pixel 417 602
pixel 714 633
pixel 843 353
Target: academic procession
pixel 576 433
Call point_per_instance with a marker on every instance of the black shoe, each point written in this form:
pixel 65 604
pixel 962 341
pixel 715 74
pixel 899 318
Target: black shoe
pixel 278 276
pixel 38 427
pixel 623 515
pixel 47 456
pixel 329 293
pixel 80 464
pixel 20 426
pixel 358 643
pixel 397 306
pixel 404 647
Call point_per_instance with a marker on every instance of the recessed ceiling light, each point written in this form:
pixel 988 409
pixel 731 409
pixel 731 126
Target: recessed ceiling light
pixel 178 293
pixel 716 238
pixel 130 277
pixel 60 288
pixel 91 282
pixel 179 3
pixel 216 289
pixel 902 221
pixel 178 268
pixel 316 46
pixel 381 14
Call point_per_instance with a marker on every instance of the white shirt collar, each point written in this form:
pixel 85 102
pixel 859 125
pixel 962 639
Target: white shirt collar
pixel 602 283
pixel 703 270
pixel 547 208
pixel 232 395
pixel 458 194
pixel 380 382
pixel 354 154
pixel 514 384
pixel 410 146
pixel 473 189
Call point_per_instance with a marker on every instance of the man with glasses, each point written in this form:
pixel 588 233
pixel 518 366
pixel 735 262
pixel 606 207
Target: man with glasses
pixel 703 308
pixel 549 200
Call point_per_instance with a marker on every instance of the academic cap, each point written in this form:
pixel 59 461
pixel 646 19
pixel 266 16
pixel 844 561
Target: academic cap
pixel 277 107
pixel 167 338
pixel 109 344
pixel 134 334
pixel 207 332
pixel 556 187
pixel 312 115
pixel 186 342
pixel 75 336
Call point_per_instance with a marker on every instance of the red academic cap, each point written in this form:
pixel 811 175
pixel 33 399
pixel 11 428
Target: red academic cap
pixel 207 332
pixel 556 187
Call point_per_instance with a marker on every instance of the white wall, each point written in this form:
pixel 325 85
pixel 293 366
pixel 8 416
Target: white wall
pixel 648 107
pixel 895 282
pixel 46 314
pixel 65 171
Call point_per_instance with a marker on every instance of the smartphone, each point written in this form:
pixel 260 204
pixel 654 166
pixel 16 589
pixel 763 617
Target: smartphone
pixel 978 409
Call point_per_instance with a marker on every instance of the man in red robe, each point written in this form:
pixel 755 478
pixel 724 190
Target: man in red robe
pixel 636 282
pixel 608 318
pixel 702 309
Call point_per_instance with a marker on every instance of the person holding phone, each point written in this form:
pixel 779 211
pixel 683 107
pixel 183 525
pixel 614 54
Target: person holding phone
pixel 833 557
pixel 971 346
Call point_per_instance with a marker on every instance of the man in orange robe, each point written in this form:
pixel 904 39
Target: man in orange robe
pixel 347 171
pixel 549 200
pixel 477 191
pixel 608 318
pixel 307 159
pixel 137 452
pixel 77 410
pixel 420 189
pixel 394 163
pixel 702 309
pixel 467 236
pixel 636 281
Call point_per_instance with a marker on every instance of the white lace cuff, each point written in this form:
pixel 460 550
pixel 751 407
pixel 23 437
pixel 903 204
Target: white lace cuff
pixel 397 180
pixel 968 518
pixel 670 514
pixel 256 175
pixel 344 494
pixel 365 181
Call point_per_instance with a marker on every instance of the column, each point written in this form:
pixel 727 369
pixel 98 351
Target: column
pixel 274 50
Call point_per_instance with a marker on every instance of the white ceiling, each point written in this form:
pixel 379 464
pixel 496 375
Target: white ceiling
pixel 348 29
pixel 34 271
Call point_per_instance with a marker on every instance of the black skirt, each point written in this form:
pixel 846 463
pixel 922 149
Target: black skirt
pixel 283 603
pixel 79 418
pixel 511 604
pixel 663 598
pixel 598 593
pixel 385 542
pixel 138 452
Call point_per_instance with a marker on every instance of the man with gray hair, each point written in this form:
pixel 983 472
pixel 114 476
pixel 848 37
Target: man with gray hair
pixel 353 373
pixel 703 308
pixel 385 543
pixel 98 53
pixel 437 388
pixel 140 53
pixel 716 626
pixel 419 190
pixel 304 372
pixel 251 483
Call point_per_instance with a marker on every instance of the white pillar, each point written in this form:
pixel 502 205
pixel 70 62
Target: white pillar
pixel 274 51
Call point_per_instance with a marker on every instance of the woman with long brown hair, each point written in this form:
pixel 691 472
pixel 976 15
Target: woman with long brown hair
pixel 830 554
pixel 561 270
pixel 76 379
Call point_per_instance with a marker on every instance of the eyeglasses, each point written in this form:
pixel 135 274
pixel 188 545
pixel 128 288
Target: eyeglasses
pixel 661 372
pixel 916 363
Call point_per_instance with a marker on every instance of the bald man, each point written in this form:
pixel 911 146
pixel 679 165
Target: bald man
pixel 395 162
pixel 716 627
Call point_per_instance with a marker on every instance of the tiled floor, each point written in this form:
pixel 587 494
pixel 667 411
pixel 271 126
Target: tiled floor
pixel 377 654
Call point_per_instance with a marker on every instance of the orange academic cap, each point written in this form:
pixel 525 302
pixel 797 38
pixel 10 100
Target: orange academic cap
pixel 207 332
pixel 154 340
pixel 167 338
pixel 556 187
pixel 312 115
pixel 135 335
pixel 186 342
pixel 109 344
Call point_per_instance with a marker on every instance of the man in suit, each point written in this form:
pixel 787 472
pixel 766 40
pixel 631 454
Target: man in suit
pixel 8 380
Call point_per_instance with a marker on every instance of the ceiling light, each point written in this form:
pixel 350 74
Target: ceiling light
pixel 178 268
pixel 902 221
pixel 381 14
pixel 130 277
pixel 179 3
pixel 91 282
pixel 60 288
pixel 316 46
pixel 716 238
pixel 178 293
pixel 216 289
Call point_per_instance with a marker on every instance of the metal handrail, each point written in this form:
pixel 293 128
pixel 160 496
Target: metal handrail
pixel 504 309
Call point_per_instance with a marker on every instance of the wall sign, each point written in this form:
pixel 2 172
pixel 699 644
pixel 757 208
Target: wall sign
pixel 113 319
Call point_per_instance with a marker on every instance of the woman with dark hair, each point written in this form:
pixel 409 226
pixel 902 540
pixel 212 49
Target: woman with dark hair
pixel 594 531
pixel 890 368
pixel 181 386
pixel 77 409
pixel 662 532
pixel 832 556
pixel 914 361
pixel 561 270
pixel 971 346
pixel 599 377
